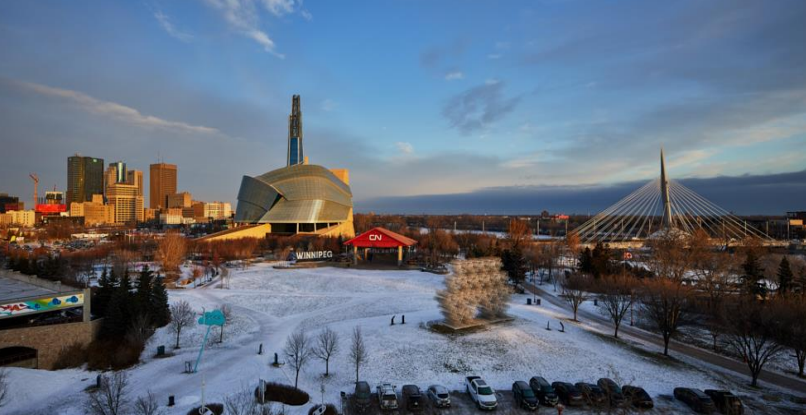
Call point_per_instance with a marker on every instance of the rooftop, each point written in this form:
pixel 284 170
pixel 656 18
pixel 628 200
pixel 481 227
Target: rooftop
pixel 12 289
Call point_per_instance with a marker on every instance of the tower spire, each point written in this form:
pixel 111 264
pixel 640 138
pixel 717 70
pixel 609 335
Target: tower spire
pixel 664 188
pixel 295 150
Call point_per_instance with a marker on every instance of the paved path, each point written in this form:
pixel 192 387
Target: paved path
pixel 723 362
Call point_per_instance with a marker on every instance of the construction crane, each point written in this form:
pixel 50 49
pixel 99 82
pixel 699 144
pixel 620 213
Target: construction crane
pixel 35 178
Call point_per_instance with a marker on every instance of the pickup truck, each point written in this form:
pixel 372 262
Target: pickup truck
pixel 481 393
pixel 387 396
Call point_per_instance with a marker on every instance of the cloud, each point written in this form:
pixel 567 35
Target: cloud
pixel 113 110
pixel 771 194
pixel 435 56
pixel 306 15
pixel 328 105
pixel 494 56
pixel 453 76
pixel 243 16
pixel 478 107
pixel 168 26
pixel 405 148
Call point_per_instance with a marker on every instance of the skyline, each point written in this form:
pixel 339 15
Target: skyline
pixel 536 95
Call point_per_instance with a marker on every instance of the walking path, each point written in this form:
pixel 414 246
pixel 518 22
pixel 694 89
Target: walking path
pixel 777 379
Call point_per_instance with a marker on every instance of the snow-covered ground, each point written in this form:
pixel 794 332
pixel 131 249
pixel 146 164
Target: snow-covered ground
pixel 269 304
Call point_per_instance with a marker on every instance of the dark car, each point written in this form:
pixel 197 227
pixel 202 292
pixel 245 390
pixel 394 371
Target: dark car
pixel 523 395
pixel 412 397
pixel 593 394
pixel 439 396
pixel 726 402
pixel 614 393
pixel 637 397
pixel 542 388
pixel 568 394
pixel 696 400
pixel 362 396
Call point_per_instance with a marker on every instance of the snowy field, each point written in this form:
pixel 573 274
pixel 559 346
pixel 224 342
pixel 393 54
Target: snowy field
pixel 270 304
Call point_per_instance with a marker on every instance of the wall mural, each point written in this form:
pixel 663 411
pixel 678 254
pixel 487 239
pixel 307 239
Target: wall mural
pixel 39 305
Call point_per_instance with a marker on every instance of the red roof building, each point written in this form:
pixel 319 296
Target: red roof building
pixel 380 238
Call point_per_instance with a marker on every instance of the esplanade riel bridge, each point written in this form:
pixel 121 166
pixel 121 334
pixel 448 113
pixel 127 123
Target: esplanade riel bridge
pixel 665 207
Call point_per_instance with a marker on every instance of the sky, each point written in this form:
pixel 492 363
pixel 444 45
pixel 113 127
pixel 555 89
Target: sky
pixel 482 106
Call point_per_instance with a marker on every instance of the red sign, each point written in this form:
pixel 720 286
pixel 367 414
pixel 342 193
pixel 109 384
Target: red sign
pixel 50 209
pixel 380 238
pixel 627 255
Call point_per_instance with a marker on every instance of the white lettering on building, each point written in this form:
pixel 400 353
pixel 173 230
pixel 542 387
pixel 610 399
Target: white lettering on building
pixel 375 237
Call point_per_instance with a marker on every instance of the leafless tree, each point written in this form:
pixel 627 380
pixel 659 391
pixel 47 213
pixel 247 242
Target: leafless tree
pixel 517 232
pixel 794 333
pixel 111 397
pixel 753 330
pixel 147 405
pixel 140 329
pixel 575 292
pixel 244 403
pixel 327 344
pixel 358 350
pixel 616 293
pixel 181 316
pixel 664 302
pixel 670 257
pixel 226 310
pixel 3 387
pixel 298 351
pixel 170 253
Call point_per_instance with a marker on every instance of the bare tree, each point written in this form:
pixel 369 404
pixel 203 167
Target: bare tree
pixel 517 232
pixel 181 316
pixel 110 398
pixel 3 387
pixel 140 329
pixel 170 253
pixel 616 292
pixel 327 344
pixel 147 405
pixel 244 403
pixel 753 331
pixel 574 291
pixel 664 303
pixel 358 350
pixel 226 310
pixel 298 351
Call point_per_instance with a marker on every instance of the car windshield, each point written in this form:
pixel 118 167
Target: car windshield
pixel 442 395
pixel 527 393
pixel 390 397
pixel 485 390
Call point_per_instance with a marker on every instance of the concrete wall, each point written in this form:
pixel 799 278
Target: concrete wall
pixel 49 340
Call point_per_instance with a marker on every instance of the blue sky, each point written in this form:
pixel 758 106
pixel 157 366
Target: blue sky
pixel 414 97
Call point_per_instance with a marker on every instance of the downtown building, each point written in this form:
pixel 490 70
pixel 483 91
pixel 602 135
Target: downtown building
pixel 85 177
pixel 162 183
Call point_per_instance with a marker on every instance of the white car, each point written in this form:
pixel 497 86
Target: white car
pixel 481 393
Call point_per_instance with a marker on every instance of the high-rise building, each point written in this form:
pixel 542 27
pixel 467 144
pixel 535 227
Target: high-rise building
pixel 94 212
pixel 135 177
pixel 85 177
pixel 180 200
pixel 162 183
pixel 203 212
pixel 120 170
pixel 9 203
pixel 295 151
pixel 128 205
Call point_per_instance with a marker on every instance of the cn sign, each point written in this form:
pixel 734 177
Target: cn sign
pixel 375 237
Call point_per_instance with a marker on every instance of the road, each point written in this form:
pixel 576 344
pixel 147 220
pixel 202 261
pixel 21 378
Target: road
pixel 723 362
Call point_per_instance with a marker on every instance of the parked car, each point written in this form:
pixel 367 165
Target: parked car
pixel 362 396
pixel 593 394
pixel 614 393
pixel 696 400
pixel 568 394
pixel 481 393
pixel 439 396
pixel 523 396
pixel 387 396
pixel 726 402
pixel 637 397
pixel 412 397
pixel 542 388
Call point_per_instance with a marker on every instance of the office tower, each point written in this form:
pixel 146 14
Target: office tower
pixel 120 170
pixel 295 150
pixel 135 177
pixel 85 177
pixel 128 205
pixel 180 200
pixel 162 182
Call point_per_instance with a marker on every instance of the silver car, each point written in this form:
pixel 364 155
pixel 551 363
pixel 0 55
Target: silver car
pixel 439 396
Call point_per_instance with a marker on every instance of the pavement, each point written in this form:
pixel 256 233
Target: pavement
pixel 772 378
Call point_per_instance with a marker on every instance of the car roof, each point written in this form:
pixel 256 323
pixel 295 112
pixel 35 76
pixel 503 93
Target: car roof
pixel 411 388
pixel 521 384
pixel 438 388
pixel 480 382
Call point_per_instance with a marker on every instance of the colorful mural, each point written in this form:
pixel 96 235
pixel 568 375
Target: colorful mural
pixel 40 305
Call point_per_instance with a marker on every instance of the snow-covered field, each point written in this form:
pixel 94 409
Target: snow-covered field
pixel 269 304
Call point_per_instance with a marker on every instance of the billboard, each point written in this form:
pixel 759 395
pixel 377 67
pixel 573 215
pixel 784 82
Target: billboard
pixel 49 209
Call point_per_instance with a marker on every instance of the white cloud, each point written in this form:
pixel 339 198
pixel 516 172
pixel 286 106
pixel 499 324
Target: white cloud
pixel 491 81
pixel 169 27
pixel 244 17
pixel 494 56
pixel 116 111
pixel 306 15
pixel 453 76
pixel 405 148
pixel 328 105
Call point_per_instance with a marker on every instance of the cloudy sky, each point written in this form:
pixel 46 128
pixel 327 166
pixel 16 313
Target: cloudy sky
pixel 464 101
